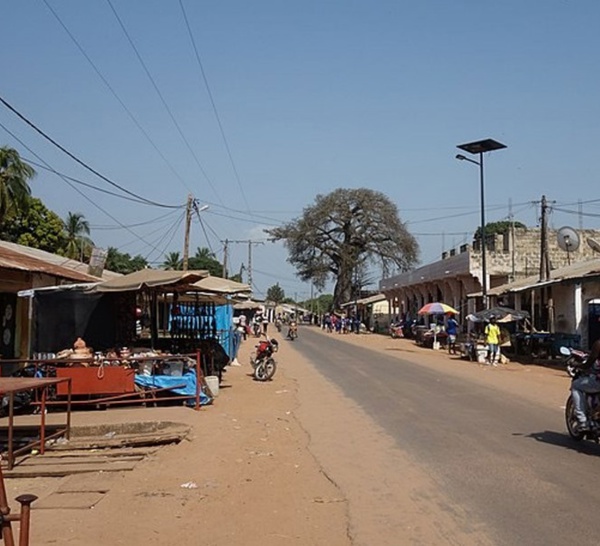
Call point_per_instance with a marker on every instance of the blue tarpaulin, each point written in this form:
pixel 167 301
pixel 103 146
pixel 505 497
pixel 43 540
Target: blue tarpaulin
pixel 183 384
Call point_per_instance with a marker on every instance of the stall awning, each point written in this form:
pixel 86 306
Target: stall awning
pixel 247 305
pixel 151 278
pixel 221 286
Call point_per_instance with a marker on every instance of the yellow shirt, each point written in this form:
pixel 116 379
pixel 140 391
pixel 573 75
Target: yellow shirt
pixel 492 334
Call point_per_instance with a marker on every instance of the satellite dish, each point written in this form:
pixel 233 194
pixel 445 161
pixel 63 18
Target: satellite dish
pixel 595 245
pixel 568 239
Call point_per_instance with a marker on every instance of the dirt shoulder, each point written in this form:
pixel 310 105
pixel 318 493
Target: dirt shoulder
pixel 254 482
pixel 292 461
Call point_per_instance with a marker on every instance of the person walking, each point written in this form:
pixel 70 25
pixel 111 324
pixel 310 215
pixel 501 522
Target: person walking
pixel 492 338
pixel 452 331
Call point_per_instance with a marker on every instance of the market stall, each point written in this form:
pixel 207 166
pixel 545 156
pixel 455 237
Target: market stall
pixel 511 323
pixel 112 361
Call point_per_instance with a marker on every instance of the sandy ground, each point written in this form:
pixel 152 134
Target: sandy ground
pixel 291 461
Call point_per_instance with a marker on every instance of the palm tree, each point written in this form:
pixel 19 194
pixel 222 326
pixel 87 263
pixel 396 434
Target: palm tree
pixel 14 182
pixel 173 261
pixel 78 229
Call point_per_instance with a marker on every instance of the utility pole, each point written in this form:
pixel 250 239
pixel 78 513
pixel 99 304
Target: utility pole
pixel 250 263
pixel 225 250
pixel 512 240
pixel 250 243
pixel 188 223
pixel 544 257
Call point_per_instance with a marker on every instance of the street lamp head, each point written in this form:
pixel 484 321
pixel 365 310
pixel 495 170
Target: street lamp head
pixel 461 157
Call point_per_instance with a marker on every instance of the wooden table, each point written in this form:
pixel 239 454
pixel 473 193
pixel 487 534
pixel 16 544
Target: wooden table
pixel 9 386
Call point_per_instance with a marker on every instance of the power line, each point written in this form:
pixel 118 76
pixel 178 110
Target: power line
pixel 72 186
pixel 174 229
pixel 79 161
pixel 115 95
pixel 160 95
pixel 214 106
pixel 139 224
pixel 87 184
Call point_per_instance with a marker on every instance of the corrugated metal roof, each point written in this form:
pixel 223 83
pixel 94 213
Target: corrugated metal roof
pixel 24 261
pixel 17 256
pixel 366 301
pixel 579 270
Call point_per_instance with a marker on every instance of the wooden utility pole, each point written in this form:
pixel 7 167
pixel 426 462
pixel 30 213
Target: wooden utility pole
pixel 188 223
pixel 225 250
pixel 544 257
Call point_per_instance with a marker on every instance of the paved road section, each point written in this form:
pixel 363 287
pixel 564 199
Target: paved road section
pixel 493 444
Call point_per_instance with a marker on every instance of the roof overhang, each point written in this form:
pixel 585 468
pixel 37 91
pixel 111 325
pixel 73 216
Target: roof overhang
pixel 159 279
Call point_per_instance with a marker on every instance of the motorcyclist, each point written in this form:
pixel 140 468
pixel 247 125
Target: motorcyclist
pixel 589 382
pixel 292 330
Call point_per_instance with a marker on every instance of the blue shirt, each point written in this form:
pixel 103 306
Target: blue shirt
pixel 451 327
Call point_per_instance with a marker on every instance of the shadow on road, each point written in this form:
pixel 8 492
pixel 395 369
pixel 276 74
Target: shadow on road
pixel 564 440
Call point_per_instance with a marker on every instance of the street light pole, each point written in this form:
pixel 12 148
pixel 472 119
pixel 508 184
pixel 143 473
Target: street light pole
pixel 483 234
pixel 480 147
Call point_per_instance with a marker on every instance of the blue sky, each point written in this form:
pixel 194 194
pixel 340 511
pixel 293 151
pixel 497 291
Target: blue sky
pixel 311 96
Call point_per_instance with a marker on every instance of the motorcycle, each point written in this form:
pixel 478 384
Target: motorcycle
pixel 292 331
pixel 256 328
pixel 396 330
pixel 575 359
pixel 262 360
pixel 22 401
pixel 278 324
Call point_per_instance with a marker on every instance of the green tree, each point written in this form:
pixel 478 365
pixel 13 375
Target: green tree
pixel 14 183
pixel 321 304
pixel 77 230
pixel 205 259
pixel 342 232
pixel 499 228
pixel 173 262
pixel 275 294
pixel 35 226
pixel 123 263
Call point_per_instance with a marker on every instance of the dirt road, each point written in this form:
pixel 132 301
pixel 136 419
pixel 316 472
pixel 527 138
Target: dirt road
pixel 291 461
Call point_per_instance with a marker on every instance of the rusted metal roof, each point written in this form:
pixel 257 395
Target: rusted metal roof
pixel 575 272
pixel 12 257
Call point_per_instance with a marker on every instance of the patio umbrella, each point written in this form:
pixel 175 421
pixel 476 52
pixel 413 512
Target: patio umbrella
pixel 437 308
pixel 502 314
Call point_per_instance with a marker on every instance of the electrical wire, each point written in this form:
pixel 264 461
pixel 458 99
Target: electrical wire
pixel 116 96
pixel 214 106
pixel 72 186
pixel 87 184
pixel 162 99
pixel 160 229
pixel 576 212
pixel 147 222
pixel 174 232
pixel 79 161
pixel 203 229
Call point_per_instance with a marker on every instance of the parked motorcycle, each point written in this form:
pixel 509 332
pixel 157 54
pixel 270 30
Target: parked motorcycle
pixel 575 359
pixel 22 401
pixel 396 330
pixel 292 331
pixel 262 360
